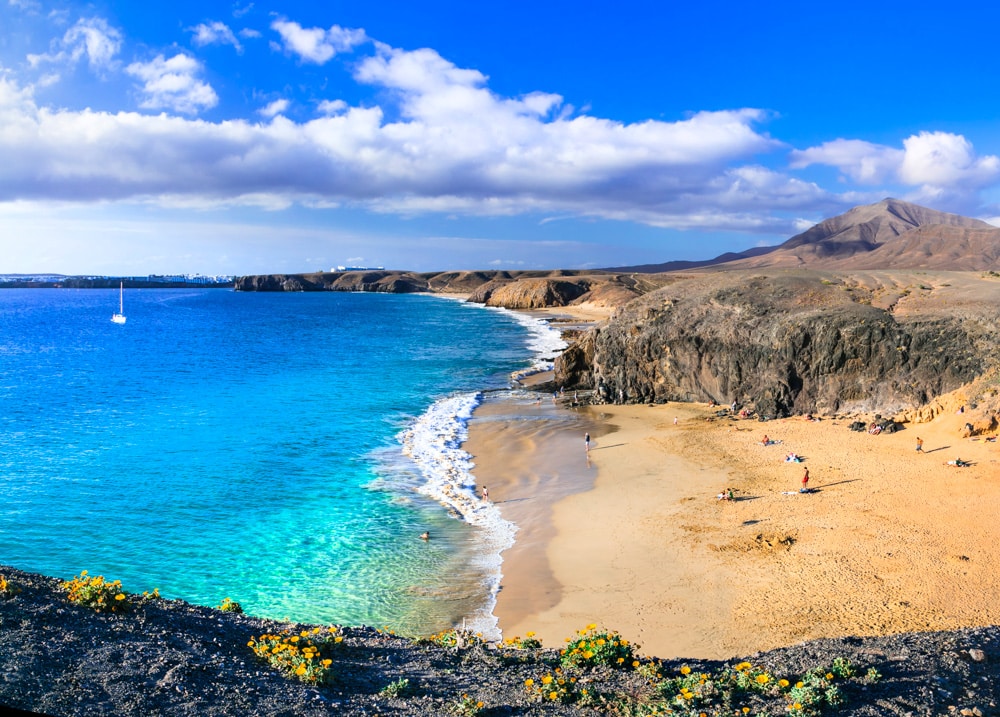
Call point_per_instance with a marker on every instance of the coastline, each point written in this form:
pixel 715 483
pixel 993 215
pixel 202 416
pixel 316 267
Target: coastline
pixel 889 541
pixel 631 536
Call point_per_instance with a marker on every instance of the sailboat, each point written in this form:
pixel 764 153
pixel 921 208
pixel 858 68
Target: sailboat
pixel 119 318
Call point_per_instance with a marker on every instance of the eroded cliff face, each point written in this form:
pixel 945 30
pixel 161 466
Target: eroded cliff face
pixel 784 344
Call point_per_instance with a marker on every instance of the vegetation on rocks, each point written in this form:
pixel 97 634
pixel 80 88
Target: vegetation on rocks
pixel 167 657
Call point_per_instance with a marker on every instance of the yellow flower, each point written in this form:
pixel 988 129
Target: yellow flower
pixel 601 642
pixel 300 670
pixel 327 662
pixel 621 660
pixel 553 695
pixel 783 683
pixel 796 706
pixel 479 705
pixel 530 634
pixel 547 679
pixel 829 675
pixel 746 710
pixel 635 663
pixel 588 654
pixel 799 685
pixel 685 670
pixel 762 679
pixel 119 596
pixel 592 626
pixel 529 682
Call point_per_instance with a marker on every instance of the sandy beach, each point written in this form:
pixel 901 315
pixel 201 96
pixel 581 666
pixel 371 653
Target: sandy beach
pixel 632 537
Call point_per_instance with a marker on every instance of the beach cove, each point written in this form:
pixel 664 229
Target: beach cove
pixel 632 536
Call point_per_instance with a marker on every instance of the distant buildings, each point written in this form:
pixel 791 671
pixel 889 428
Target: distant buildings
pixel 93 281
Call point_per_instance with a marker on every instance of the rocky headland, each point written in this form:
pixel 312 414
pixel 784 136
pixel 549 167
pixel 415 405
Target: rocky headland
pixel 878 310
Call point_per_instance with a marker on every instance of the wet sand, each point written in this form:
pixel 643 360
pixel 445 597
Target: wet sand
pixel 890 540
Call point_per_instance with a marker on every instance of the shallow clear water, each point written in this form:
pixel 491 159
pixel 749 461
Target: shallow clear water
pixel 245 445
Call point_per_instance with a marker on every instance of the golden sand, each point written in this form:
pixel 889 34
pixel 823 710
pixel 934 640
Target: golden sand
pixel 632 537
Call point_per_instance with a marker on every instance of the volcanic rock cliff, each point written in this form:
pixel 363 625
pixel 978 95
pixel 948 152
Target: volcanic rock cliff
pixel 793 342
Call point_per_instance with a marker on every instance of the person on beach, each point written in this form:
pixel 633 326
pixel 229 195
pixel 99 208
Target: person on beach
pixel 586 441
pixel 486 494
pixel 920 444
pixel 425 535
pixel 765 441
pixel 805 482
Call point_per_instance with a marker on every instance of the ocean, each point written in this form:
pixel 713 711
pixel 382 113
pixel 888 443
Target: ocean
pixel 284 450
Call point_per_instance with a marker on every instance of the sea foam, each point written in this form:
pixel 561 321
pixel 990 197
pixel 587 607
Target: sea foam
pixel 434 443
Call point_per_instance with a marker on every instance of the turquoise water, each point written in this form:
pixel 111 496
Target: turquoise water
pixel 251 446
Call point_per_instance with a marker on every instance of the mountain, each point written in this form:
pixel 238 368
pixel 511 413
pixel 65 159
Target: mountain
pixel 891 234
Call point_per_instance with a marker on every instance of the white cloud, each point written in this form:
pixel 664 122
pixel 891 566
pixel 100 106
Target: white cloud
pixel 863 162
pixel 933 161
pixel 331 107
pixel 92 38
pixel 455 147
pixel 940 159
pixel 274 108
pixel 171 84
pixel 449 145
pixel 214 33
pixel 315 44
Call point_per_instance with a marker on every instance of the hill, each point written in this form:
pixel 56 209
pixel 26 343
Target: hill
pixel 891 234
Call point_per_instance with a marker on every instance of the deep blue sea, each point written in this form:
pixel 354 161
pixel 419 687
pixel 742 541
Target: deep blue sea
pixel 284 450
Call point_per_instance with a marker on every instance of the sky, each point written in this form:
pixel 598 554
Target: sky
pixel 263 137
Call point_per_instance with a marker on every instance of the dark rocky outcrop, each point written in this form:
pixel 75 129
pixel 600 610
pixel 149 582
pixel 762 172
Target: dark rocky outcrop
pixel 168 657
pixel 785 343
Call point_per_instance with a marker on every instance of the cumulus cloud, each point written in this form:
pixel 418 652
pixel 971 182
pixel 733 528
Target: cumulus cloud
pixel 214 33
pixel 90 38
pixel 862 161
pixel 448 145
pixel 172 84
pixel 274 108
pixel 937 162
pixel 941 159
pixel 315 44
pixel 331 107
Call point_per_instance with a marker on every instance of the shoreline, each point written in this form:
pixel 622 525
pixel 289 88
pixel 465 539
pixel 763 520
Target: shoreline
pixel 889 540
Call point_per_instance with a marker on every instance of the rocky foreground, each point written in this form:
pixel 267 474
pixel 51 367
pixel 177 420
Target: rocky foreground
pixel 167 657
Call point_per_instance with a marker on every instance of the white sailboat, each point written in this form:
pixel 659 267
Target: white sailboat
pixel 119 318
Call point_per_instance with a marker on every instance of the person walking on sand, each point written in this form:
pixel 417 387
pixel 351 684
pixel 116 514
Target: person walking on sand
pixel 920 444
pixel 805 482
pixel 486 494
pixel 586 441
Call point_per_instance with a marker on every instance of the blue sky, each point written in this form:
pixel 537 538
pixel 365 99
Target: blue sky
pixel 248 137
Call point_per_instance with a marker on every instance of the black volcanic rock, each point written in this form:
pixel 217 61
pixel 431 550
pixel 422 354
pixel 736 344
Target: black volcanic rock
pixel 168 657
